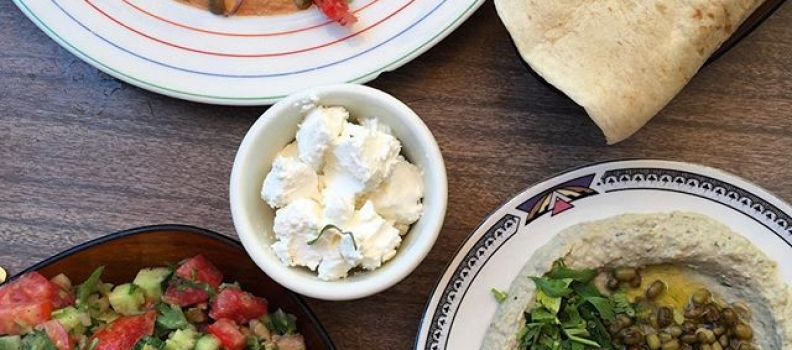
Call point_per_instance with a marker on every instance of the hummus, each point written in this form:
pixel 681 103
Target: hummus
pixel 725 261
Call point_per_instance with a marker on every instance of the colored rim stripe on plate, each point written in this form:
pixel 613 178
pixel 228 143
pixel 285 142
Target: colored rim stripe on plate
pixel 252 55
pixel 266 99
pixel 212 32
pixel 245 76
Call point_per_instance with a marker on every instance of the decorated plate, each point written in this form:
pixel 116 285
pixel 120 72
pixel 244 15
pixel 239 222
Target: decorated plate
pixel 462 305
pixel 186 52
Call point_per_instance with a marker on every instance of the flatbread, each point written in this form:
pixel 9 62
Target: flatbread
pixel 622 60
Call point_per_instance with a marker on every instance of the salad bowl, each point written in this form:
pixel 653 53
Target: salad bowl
pixel 125 252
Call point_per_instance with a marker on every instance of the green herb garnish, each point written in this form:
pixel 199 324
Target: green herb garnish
pixel 252 343
pixel 499 295
pixel 89 286
pixel 183 284
pixel 280 322
pixel 170 317
pixel 337 229
pixel 568 313
pixel 149 342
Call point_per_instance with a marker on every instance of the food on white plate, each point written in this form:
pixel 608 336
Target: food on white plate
pixel 343 194
pixel 646 281
pixel 336 10
pixel 182 307
pixel 622 61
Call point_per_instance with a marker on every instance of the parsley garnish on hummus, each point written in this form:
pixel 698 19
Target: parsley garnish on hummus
pixel 499 295
pixel 569 312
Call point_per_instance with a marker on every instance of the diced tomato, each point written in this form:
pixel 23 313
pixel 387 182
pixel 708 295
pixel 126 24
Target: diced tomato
pixel 237 305
pixel 57 333
pixel 61 297
pixel 182 295
pixel 125 332
pixel 199 269
pixel 336 10
pixel 27 287
pixel 25 303
pixel 231 338
pixel 19 319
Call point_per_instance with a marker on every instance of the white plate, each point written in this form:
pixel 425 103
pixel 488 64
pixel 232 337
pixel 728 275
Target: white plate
pixel 188 53
pixel 462 305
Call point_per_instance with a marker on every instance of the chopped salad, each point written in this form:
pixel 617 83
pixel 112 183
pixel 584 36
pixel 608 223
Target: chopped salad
pixel 183 307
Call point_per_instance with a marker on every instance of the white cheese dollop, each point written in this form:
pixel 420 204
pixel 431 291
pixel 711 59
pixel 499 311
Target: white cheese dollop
pixel 295 225
pixel 376 239
pixel 345 189
pixel 317 133
pixel 398 199
pixel 288 180
pixel 365 155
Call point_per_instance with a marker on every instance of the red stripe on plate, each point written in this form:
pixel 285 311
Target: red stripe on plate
pixel 223 54
pixel 160 18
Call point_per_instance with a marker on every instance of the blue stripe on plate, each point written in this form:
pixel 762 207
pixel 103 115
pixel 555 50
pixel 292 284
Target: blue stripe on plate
pixel 254 76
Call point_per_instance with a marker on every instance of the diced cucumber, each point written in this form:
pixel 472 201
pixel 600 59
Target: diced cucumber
pixel 182 339
pixel 75 321
pixel 98 306
pixel 151 281
pixel 127 299
pixel 62 281
pixel 207 342
pixel 37 340
pixel 11 342
pixel 260 330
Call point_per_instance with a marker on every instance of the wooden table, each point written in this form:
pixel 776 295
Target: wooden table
pixel 82 154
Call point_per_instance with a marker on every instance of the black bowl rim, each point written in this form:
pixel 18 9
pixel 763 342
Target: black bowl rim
pixel 745 30
pixel 182 228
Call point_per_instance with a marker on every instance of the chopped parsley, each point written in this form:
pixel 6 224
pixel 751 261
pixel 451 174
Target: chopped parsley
pixel 335 228
pixel 499 295
pixel 569 312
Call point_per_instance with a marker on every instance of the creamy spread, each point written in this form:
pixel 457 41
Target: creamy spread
pixel 343 194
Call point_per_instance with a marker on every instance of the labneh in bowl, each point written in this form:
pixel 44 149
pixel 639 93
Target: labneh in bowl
pixel 125 252
pixel 276 128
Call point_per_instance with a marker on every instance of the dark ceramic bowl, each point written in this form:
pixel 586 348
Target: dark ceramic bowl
pixel 124 253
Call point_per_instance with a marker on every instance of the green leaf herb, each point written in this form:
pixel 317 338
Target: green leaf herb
pixel 38 340
pixel 252 343
pixel 171 317
pixel 560 271
pixel 595 326
pixel 89 286
pixel 552 287
pixel 499 295
pixel 183 284
pixel 603 306
pixel 568 313
pixel 281 323
pixel 149 342
pixel 335 228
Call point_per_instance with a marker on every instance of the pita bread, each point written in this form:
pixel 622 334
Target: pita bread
pixel 622 60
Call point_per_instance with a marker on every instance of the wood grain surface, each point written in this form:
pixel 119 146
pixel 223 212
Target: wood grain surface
pixel 82 154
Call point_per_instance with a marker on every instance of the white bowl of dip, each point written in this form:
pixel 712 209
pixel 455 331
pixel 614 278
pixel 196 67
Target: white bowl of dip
pixel 277 127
